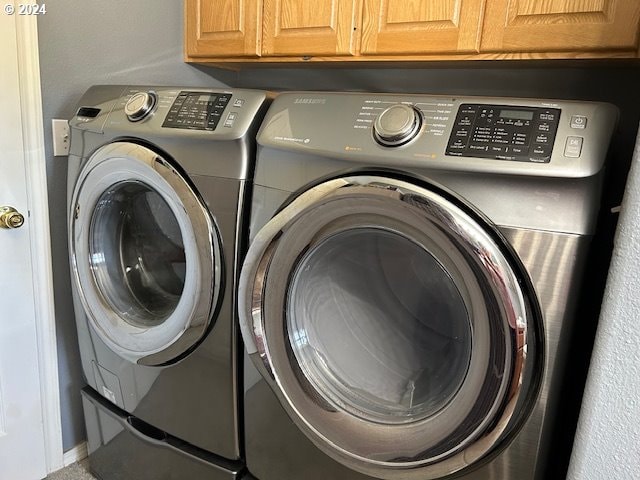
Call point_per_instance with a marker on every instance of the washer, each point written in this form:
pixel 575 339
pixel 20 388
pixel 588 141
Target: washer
pixel 158 179
pixel 408 297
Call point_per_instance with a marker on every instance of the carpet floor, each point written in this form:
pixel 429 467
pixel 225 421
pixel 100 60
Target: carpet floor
pixel 75 471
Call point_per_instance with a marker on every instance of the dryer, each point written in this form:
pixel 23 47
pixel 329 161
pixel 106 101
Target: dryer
pixel 408 299
pixel 158 181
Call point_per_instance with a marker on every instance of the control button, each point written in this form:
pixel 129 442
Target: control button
pixel 573 147
pixel 231 117
pixel 548 116
pixel 461 132
pixel 542 138
pixel 478 148
pixel 541 150
pixel 544 127
pixel 497 149
pixel 519 150
pixel 238 102
pixel 465 121
pixel 458 144
pixel 578 121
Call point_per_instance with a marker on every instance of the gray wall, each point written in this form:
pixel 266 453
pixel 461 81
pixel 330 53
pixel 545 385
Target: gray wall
pixel 83 43
pixel 90 42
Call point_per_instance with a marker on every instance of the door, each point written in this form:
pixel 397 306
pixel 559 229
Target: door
pixel 393 27
pixel 310 27
pixel 394 325
pixel 560 25
pixel 146 254
pixel 222 28
pixel 22 438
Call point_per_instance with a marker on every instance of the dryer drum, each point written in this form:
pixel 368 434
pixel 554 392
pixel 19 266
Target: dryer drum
pixel 392 326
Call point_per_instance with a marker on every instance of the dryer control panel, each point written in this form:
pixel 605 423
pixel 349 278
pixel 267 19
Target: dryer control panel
pixel 513 136
pixel 504 132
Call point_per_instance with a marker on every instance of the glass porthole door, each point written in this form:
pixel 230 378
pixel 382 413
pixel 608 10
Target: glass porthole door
pixel 393 325
pixel 146 254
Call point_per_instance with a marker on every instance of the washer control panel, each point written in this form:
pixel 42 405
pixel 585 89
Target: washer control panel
pixel 502 132
pixel 197 110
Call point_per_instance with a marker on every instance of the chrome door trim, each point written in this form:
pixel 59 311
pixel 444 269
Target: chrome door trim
pixel 485 256
pixel 185 327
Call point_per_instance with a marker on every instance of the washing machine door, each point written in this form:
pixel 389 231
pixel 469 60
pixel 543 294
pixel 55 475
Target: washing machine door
pixel 146 254
pixel 393 325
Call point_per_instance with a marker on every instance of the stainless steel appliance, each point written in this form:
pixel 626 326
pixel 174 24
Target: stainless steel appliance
pixel 409 293
pixel 157 187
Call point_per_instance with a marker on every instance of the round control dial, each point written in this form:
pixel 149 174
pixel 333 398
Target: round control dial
pixel 397 125
pixel 140 105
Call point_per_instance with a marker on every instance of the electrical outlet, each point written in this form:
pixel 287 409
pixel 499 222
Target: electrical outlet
pixel 60 131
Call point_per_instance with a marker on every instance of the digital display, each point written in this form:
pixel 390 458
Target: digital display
pixel 204 98
pixel 516 114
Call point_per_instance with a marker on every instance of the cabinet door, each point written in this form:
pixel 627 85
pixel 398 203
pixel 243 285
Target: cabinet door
pixel 310 27
pixel 556 25
pixel 421 26
pixel 222 28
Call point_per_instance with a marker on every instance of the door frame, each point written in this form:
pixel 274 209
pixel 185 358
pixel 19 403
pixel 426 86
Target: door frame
pixel 38 215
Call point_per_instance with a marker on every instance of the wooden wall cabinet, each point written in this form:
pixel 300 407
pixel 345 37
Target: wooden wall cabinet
pixel 271 31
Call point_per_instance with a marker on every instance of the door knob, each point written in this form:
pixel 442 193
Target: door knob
pixel 10 218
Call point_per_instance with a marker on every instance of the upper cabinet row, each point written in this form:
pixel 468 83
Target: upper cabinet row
pixel 380 30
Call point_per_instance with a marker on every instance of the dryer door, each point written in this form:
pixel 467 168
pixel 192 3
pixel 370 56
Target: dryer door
pixel 394 325
pixel 146 254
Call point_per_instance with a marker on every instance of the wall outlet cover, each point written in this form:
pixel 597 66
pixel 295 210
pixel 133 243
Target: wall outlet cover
pixel 60 132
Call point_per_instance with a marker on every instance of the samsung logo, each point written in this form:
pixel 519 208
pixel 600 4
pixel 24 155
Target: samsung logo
pixel 311 101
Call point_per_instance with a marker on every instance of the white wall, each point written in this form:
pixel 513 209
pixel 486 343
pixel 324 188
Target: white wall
pixel 607 444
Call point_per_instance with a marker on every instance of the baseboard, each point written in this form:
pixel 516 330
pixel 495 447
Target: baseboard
pixel 77 453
